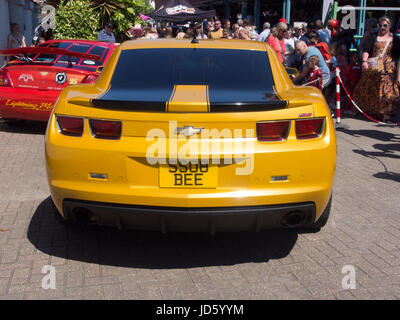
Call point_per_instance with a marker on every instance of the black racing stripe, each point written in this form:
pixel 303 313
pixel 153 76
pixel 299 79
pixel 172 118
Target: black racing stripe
pixel 122 105
pixel 155 106
pixel 247 106
pixel 246 100
pixel 138 99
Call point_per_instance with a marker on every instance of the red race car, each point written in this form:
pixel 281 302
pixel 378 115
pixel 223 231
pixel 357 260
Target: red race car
pixel 31 84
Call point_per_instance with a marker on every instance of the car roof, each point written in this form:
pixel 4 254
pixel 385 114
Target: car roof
pixel 94 42
pixel 187 43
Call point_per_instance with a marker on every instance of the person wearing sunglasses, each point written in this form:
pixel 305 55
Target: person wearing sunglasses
pixel 217 33
pixel 377 92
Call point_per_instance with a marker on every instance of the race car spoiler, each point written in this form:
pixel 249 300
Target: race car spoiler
pixel 45 50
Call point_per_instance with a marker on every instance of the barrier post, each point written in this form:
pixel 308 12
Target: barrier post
pixel 337 95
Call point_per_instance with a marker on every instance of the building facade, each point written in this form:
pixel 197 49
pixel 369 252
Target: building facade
pixel 23 12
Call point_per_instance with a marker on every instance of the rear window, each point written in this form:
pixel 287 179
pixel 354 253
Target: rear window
pixel 231 75
pixel 81 48
pixel 237 80
pixel 97 50
pixel 215 67
pixel 75 47
pixel 50 58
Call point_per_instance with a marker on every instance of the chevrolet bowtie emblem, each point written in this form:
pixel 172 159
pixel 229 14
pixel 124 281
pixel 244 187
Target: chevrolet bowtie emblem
pixel 188 131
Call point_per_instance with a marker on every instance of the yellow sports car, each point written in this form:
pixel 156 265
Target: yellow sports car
pixel 207 135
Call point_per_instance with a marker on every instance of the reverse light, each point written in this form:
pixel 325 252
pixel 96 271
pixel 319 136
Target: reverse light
pixel 105 129
pixel 309 128
pixel 90 78
pixel 70 126
pixel 273 131
pixel 5 80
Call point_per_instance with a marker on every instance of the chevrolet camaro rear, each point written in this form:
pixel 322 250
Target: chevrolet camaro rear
pixel 180 136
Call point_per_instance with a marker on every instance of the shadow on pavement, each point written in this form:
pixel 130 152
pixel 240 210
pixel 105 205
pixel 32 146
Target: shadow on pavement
pixel 373 154
pixel 137 249
pixel 374 134
pixel 389 175
pixel 23 126
pixel 391 150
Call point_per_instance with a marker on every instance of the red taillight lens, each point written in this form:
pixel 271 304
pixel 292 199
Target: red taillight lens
pixel 70 126
pixel 90 78
pixel 309 128
pixel 105 129
pixel 272 131
pixel 5 80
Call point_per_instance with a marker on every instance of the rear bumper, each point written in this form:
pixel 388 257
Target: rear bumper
pixel 27 104
pixel 172 219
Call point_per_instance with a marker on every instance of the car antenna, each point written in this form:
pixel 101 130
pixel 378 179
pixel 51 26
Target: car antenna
pixel 195 40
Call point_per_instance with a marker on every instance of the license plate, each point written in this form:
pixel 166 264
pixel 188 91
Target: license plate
pixel 188 176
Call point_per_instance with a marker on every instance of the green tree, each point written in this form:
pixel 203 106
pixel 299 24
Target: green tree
pixel 76 19
pixel 123 14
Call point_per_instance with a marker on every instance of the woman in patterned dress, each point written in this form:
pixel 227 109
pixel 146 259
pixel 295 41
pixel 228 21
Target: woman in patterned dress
pixel 377 92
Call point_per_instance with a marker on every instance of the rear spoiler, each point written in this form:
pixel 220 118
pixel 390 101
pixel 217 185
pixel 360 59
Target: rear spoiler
pixel 160 106
pixel 45 50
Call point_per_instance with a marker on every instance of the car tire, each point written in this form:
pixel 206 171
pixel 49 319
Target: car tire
pixel 323 219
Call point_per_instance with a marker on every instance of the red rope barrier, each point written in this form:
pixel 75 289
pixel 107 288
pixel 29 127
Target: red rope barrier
pixel 359 109
pixel 306 84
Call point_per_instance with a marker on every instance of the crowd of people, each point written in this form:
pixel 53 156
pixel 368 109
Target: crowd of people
pixel 369 70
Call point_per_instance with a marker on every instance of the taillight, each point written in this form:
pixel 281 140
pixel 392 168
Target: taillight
pixel 309 128
pixel 90 78
pixel 5 80
pixel 70 126
pixel 105 129
pixel 273 131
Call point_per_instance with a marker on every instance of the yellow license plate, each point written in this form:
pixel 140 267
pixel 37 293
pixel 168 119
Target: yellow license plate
pixel 188 176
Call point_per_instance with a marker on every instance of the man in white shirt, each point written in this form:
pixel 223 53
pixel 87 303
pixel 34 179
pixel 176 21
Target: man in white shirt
pixel 265 33
pixel 106 34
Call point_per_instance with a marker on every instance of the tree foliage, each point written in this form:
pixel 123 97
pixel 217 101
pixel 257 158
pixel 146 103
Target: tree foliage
pixel 83 19
pixel 76 19
pixel 123 14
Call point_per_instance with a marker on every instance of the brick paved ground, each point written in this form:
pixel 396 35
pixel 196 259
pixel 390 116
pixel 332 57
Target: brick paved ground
pixel 101 263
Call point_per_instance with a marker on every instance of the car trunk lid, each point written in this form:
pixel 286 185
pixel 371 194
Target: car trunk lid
pixel 45 77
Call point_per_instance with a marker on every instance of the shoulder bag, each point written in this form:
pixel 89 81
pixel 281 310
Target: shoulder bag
pixel 376 63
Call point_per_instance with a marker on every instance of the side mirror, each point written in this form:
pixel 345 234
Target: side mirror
pixel 292 71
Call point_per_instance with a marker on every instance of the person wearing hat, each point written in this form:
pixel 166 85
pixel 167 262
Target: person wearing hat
pixel 106 34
